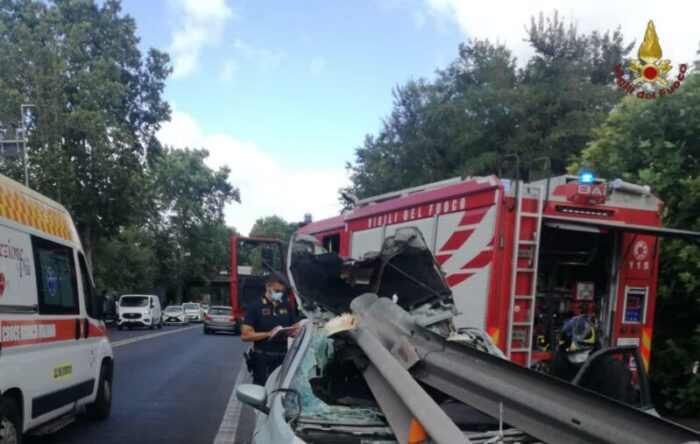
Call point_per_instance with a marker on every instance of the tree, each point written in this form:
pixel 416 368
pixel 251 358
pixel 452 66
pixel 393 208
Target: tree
pixel 481 107
pixel 191 239
pixel 657 143
pixel 127 262
pixel 98 107
pixel 274 227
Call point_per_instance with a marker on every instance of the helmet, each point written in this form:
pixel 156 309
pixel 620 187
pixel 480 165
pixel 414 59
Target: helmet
pixel 577 339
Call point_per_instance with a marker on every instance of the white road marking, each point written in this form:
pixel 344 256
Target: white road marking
pixel 154 335
pixel 229 423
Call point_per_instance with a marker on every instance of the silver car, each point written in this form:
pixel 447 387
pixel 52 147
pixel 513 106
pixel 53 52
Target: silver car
pixel 193 311
pixel 220 318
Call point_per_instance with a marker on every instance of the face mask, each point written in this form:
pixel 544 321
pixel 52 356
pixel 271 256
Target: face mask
pixel 276 295
pixel 578 358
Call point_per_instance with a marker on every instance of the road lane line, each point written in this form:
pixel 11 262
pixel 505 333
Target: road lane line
pixel 154 335
pixel 229 423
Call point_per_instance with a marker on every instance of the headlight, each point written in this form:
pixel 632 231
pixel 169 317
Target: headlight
pixel 147 312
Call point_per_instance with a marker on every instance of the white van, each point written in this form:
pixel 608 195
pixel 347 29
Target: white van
pixel 139 310
pixel 54 351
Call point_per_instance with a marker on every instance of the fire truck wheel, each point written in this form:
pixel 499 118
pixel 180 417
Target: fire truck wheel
pixel 10 421
pixel 101 408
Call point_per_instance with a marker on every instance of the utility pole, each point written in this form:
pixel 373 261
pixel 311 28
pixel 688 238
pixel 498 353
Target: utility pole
pixel 23 129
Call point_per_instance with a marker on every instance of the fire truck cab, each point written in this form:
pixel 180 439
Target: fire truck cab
pixel 521 257
pixel 252 258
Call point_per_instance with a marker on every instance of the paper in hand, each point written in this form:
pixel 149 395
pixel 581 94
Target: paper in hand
pixel 280 331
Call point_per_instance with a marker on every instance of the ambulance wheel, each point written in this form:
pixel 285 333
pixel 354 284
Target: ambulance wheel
pixel 101 408
pixel 152 326
pixel 160 324
pixel 10 421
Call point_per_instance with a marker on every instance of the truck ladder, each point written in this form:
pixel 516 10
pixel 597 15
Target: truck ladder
pixel 523 289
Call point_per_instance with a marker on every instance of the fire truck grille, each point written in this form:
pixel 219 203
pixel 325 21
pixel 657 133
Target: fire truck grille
pixel 584 211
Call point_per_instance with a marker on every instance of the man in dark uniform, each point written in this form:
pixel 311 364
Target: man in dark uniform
pixel 577 341
pixel 263 320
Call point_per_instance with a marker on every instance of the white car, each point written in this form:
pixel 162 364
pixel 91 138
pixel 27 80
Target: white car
pixel 175 315
pixel 194 311
pixel 139 310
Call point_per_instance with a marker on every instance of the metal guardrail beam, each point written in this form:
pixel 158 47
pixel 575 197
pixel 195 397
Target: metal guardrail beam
pixel 542 406
pixel 401 384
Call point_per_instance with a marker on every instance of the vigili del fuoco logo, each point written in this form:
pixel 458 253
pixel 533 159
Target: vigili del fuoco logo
pixel 649 74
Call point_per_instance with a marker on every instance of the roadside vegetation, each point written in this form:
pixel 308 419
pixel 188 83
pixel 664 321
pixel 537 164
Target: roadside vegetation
pixel 151 216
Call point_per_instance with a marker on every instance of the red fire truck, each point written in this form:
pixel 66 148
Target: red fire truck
pixel 251 259
pixel 523 257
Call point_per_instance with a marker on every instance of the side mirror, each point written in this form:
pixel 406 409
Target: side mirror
pixel 253 395
pixel 99 309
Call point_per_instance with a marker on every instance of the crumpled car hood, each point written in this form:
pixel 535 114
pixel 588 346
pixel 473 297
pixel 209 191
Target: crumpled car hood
pixel 404 270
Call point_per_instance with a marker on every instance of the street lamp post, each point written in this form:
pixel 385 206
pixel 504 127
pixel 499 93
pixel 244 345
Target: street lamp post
pixel 25 158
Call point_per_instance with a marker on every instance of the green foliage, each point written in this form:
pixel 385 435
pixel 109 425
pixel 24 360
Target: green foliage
pixel 98 107
pixel 482 107
pixel 187 221
pixel 152 217
pixel 126 262
pixel 274 227
pixel 657 143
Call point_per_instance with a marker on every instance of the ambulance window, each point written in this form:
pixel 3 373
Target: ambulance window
pixel 56 280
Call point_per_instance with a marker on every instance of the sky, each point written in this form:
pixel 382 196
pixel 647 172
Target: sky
pixel 284 92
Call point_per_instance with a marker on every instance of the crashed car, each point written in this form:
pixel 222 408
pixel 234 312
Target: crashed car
pixel 321 392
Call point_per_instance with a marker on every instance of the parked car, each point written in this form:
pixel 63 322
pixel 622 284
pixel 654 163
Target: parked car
pixel 220 318
pixel 139 310
pixel 175 315
pixel 193 311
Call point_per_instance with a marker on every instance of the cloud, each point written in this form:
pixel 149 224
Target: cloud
pixel 317 66
pixel 505 20
pixel 267 185
pixel 265 58
pixel 228 72
pixel 200 23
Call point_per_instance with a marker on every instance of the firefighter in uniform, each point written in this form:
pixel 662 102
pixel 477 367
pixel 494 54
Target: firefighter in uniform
pixel 577 341
pixel 264 317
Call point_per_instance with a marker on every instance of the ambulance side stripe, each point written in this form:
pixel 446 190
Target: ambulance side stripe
pixel 52 401
pixel 17 333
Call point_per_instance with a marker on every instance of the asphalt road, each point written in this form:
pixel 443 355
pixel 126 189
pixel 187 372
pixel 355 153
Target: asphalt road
pixel 173 387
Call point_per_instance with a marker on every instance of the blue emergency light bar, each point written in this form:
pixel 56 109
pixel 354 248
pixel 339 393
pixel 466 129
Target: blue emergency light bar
pixel 586 176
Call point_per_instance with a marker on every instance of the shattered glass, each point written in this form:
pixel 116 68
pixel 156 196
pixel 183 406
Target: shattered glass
pixel 316 357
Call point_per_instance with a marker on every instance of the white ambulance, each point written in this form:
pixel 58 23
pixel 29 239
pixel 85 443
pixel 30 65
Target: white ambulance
pixel 54 353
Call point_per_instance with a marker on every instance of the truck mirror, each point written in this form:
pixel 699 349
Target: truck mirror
pixel 625 366
pixel 99 309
